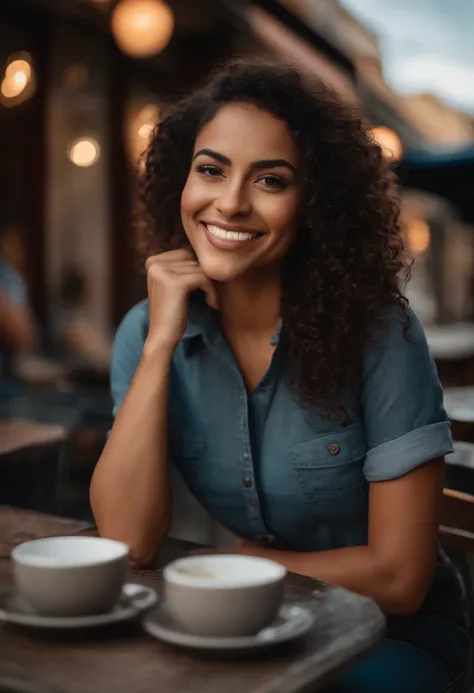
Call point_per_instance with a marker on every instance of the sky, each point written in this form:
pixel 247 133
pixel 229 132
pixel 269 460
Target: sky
pixel 427 45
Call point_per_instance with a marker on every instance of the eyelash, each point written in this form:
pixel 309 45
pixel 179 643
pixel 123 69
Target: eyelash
pixel 207 168
pixel 214 171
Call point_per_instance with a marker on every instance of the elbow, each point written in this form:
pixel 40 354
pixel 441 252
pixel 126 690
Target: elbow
pixel 142 557
pixel 403 595
pixel 142 553
pixel 143 547
pixel 404 600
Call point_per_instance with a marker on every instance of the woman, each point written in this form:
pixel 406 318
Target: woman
pixel 277 365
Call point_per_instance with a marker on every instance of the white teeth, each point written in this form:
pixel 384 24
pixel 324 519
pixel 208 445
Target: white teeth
pixel 230 235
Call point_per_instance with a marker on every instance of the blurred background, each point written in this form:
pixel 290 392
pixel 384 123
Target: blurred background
pixel 82 83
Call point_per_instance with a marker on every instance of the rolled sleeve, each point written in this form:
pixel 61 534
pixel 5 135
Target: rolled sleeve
pixel 404 418
pixel 127 352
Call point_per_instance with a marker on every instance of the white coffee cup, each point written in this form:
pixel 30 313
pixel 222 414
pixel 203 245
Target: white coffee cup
pixel 223 595
pixel 70 576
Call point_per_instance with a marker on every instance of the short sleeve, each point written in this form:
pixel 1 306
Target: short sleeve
pixel 127 351
pixel 402 399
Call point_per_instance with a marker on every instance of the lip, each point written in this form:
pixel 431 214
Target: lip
pixel 224 243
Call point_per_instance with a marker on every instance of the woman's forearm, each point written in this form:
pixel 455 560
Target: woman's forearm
pixel 130 490
pixel 355 568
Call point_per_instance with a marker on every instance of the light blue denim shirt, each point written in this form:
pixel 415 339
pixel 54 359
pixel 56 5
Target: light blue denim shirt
pixel 270 469
pixel 263 465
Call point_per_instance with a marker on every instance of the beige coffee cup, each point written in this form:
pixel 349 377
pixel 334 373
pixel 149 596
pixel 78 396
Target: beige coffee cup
pixel 70 576
pixel 223 595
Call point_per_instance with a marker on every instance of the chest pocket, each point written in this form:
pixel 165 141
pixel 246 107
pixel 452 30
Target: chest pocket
pixel 329 471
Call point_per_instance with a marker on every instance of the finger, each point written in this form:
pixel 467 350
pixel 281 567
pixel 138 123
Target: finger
pixel 159 270
pixel 182 271
pixel 176 267
pixel 170 256
pixel 194 280
pixel 198 281
pixel 177 255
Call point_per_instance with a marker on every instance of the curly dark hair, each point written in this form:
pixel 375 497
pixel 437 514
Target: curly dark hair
pixel 344 268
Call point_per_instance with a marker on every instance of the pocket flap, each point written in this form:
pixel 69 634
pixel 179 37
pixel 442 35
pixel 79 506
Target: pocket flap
pixel 330 449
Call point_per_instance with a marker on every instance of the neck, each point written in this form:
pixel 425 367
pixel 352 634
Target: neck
pixel 251 304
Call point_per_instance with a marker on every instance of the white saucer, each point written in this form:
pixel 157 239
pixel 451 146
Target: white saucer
pixel 292 622
pixel 135 600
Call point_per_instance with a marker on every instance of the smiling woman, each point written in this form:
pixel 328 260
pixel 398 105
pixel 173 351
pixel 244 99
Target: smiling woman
pixel 277 365
pixel 236 202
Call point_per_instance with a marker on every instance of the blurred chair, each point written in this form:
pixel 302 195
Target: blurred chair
pixel 457 539
pixel 32 464
pixel 457 521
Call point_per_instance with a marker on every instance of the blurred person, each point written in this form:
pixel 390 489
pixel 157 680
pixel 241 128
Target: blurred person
pixel 84 345
pixel 277 364
pixel 17 327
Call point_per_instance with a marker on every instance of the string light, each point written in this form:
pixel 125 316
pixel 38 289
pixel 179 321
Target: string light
pixel 142 28
pixel 16 79
pixel 389 141
pixel 84 152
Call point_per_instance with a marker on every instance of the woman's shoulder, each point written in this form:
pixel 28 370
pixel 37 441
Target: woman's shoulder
pixel 127 349
pixel 398 344
pixel 397 325
pixel 132 331
pixel 135 322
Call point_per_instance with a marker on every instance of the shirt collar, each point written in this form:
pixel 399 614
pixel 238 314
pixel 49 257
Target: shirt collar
pixel 202 320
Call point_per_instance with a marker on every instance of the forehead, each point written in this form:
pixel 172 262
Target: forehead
pixel 243 131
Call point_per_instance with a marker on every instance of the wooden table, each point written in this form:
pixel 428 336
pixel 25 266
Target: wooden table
pixel 16 434
pixel 126 660
pixel 33 464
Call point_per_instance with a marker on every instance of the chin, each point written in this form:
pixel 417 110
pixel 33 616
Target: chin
pixel 221 269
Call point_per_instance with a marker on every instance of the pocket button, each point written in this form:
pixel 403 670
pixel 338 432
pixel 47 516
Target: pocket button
pixel 334 449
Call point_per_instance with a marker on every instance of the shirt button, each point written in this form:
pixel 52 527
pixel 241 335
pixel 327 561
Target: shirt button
pixel 247 482
pixel 334 449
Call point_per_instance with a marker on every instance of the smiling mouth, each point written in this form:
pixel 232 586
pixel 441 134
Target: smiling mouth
pixel 224 234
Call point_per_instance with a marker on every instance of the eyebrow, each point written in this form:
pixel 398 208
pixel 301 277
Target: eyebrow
pixel 264 163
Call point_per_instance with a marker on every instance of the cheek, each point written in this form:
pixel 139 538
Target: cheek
pixel 195 197
pixel 282 215
pixel 186 199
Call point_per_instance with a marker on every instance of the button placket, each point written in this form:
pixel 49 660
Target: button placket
pixel 252 502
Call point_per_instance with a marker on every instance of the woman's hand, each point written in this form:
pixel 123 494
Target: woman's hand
pixel 171 277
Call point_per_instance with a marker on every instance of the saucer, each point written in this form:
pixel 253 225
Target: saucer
pixel 135 600
pixel 293 621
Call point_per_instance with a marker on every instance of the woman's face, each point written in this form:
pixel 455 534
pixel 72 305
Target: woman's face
pixel 241 204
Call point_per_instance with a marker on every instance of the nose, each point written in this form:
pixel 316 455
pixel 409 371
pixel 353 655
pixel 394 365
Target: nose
pixel 233 200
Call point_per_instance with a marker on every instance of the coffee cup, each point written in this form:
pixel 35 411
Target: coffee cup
pixel 70 576
pixel 223 595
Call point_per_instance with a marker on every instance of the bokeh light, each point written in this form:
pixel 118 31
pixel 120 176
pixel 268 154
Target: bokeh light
pixel 417 236
pixel 84 152
pixel 388 140
pixel 142 28
pixel 16 79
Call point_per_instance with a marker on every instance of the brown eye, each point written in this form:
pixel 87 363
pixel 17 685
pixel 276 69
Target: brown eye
pixel 209 170
pixel 272 182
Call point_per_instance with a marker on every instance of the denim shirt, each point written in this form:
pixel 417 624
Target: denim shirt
pixel 268 468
